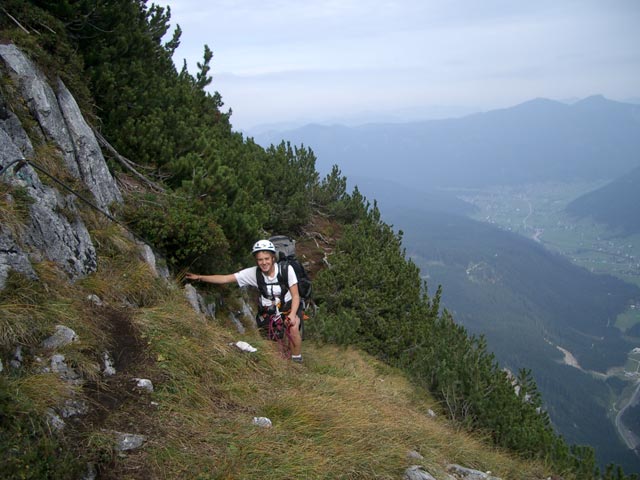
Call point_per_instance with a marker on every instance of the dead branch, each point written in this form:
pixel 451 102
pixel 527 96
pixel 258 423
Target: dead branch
pixel 128 164
pixel 48 28
pixel 316 235
pixel 15 21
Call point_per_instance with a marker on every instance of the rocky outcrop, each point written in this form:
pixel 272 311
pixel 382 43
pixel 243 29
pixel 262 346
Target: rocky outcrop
pixel 12 258
pixel 49 233
pixel 61 122
pixel 56 231
pixel 91 164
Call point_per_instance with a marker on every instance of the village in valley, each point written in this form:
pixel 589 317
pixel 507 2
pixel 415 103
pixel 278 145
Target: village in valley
pixel 537 211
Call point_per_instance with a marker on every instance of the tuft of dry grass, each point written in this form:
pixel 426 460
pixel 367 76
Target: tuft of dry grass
pixel 30 309
pixel 49 157
pixel 41 391
pixel 122 276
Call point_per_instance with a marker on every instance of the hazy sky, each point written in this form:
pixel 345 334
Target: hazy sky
pixel 340 60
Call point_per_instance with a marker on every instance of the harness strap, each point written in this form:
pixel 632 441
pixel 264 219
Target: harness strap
pixel 282 280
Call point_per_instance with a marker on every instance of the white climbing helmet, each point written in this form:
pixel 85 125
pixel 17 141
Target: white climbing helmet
pixel 263 246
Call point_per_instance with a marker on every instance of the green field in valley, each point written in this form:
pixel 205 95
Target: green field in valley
pixel 537 211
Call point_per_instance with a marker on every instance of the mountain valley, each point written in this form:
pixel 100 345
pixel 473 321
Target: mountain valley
pixel 505 210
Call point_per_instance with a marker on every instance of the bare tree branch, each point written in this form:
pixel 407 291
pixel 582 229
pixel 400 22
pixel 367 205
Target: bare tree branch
pixel 15 21
pixel 128 164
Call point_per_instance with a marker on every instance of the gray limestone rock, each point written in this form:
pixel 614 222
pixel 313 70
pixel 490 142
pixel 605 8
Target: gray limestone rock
pixel 247 315
pixel 194 298
pixel 238 324
pixel 144 384
pixel 10 151
pixel 62 336
pixel 73 408
pixel 62 122
pixel 18 359
pixel 109 369
pixel 263 422
pixel 159 268
pixel 54 420
pixel 10 124
pixel 129 441
pixel 93 298
pixel 50 234
pixel 64 371
pixel 416 472
pixel 41 101
pixel 469 473
pixel 12 258
pixel 412 454
pixel 90 161
pixel 63 240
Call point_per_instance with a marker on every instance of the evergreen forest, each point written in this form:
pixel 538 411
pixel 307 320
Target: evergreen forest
pixel 209 193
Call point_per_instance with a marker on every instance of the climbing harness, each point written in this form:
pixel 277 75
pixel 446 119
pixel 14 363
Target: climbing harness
pixel 279 332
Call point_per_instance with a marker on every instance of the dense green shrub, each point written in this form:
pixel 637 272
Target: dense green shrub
pixel 176 227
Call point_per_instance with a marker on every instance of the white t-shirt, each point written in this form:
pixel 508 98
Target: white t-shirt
pixel 248 277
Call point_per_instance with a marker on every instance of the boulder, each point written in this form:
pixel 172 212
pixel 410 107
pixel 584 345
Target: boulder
pixel 129 441
pixel 416 472
pixel 469 473
pixel 62 336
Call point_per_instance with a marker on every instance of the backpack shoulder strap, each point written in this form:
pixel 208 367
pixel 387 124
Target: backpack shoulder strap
pixel 282 278
pixel 262 285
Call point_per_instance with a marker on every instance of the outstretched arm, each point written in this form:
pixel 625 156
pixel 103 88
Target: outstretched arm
pixel 217 279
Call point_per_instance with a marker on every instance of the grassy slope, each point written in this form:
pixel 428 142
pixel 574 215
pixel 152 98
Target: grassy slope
pixel 341 414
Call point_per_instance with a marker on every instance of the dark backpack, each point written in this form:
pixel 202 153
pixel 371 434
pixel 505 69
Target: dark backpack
pixel 286 255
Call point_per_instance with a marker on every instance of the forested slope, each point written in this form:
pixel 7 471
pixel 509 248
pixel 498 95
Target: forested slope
pixel 614 205
pixel 211 192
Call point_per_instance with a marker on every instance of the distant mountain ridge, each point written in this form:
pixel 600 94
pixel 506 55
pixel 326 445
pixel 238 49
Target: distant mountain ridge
pixel 539 140
pixel 615 204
